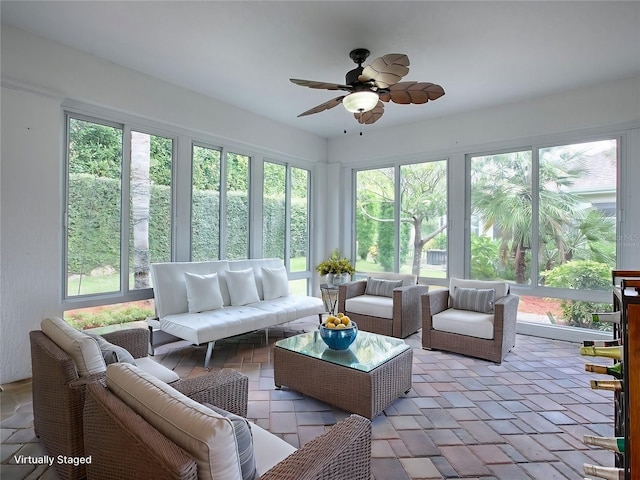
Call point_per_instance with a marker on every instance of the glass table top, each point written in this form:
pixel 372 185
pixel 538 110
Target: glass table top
pixel 367 352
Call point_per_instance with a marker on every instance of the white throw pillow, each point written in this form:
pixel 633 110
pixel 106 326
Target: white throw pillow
pixel 203 292
pixel 242 286
pixel 275 282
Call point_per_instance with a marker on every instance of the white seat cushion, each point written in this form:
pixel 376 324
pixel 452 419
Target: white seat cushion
pixel 207 436
pixel 157 370
pixel 82 348
pixel 269 449
pixel 464 322
pixel 371 305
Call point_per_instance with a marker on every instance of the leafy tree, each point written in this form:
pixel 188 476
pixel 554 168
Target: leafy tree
pixel 423 200
pixel 94 149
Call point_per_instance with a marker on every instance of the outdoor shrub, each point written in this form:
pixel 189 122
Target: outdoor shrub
pixel 585 275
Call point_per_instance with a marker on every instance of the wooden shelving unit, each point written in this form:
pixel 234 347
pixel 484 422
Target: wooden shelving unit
pixel 626 299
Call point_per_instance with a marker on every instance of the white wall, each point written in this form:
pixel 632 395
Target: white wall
pixel 37 77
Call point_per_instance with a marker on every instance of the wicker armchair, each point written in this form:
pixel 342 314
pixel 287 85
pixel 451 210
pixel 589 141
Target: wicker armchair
pixel 503 320
pixel 59 393
pixel 404 318
pixel 124 446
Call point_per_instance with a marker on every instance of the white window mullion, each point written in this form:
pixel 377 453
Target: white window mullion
pixel 125 216
pixel 287 217
pixel 222 231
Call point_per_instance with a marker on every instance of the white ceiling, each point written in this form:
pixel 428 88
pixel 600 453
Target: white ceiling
pixel 243 52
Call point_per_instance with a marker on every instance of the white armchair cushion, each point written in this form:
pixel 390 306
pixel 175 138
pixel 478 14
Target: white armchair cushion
pixel 474 299
pixel 82 348
pixel 464 322
pixel 370 305
pixel 156 369
pixel 203 292
pixel 275 282
pixel 380 287
pixel 242 287
pixel 407 278
pixel 207 436
pixel 269 449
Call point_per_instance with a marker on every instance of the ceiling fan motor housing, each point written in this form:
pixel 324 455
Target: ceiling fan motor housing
pixel 359 55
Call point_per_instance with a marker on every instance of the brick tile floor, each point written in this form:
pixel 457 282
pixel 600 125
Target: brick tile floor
pixel 463 418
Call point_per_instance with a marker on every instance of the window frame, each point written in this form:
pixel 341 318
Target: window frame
pixel 397 170
pixel 534 289
pixel 125 293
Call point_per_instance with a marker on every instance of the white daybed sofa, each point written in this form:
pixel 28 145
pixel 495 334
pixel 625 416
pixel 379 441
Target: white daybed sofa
pixel 206 301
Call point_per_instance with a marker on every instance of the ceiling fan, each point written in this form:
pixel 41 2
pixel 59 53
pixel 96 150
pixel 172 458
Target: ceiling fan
pixel 369 86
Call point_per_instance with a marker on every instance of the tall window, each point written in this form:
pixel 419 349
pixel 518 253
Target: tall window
pixel 97 220
pixel 418 223
pixel 501 209
pixel 375 225
pixel 285 215
pixel 560 239
pixel 423 219
pixel 299 224
pixel 219 204
pixel 205 204
pixel 93 207
pixel 237 206
pixel 274 210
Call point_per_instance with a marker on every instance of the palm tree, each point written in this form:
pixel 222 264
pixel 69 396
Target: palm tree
pixel 502 199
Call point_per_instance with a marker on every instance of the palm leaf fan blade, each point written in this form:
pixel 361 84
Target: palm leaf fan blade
pixel 371 116
pixel 323 106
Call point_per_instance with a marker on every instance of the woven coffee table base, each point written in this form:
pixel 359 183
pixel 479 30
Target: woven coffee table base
pixel 355 391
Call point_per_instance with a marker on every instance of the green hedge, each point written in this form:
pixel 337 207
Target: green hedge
pixel 94 224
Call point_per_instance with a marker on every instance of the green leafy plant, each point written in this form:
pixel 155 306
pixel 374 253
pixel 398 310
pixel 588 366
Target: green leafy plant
pixel 583 275
pixel 336 263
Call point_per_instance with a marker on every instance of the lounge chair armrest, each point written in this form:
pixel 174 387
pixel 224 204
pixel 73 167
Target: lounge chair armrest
pixel 506 312
pixel 134 340
pixel 342 453
pixel 349 290
pixel 407 309
pixel 435 302
pixel 227 389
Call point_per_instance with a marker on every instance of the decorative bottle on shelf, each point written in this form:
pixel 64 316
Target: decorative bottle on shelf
pixel 609 317
pixel 613 385
pixel 609 473
pixel 609 352
pixel 602 343
pixel 615 370
pixel 615 444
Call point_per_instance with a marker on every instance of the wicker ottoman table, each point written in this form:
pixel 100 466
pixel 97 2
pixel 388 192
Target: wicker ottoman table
pixel 364 379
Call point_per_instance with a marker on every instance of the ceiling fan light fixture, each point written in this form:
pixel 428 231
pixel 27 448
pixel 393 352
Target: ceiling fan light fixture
pixel 360 101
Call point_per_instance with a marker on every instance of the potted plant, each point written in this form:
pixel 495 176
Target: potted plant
pixel 338 269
